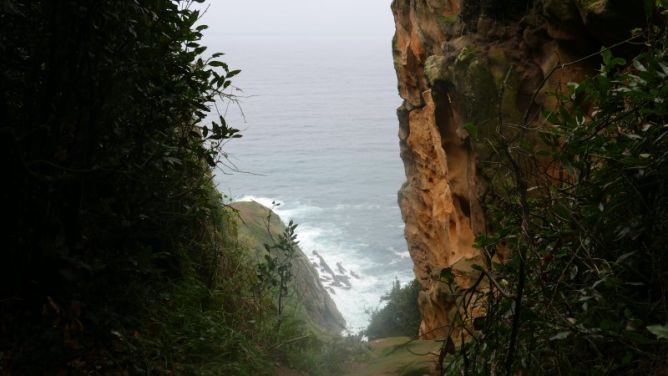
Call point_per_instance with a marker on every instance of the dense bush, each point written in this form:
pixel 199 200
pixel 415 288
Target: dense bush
pixel 581 204
pixel 118 252
pixel 399 316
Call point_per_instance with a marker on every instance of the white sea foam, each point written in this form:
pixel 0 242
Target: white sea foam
pixel 357 206
pixel 279 207
pixel 334 247
pixel 330 156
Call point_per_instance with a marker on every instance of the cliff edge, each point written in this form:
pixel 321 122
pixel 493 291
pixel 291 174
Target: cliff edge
pixel 463 66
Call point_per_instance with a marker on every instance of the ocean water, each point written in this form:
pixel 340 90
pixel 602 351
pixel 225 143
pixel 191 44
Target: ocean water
pixel 320 138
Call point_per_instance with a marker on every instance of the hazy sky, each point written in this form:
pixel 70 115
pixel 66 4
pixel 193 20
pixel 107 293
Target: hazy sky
pixel 299 18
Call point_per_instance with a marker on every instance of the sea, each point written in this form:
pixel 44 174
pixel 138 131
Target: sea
pixel 320 145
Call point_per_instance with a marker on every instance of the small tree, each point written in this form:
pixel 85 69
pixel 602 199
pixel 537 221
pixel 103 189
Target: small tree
pixel 276 271
pixel 400 315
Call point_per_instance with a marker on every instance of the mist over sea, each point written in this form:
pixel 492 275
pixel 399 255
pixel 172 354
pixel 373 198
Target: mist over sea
pixel 320 138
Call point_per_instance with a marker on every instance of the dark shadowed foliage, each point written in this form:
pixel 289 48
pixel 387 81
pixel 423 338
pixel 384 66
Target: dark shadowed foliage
pixel 117 237
pixel 496 9
pixel 576 269
pixel 400 316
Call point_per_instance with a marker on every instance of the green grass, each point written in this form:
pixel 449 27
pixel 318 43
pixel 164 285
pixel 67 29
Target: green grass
pixel 398 356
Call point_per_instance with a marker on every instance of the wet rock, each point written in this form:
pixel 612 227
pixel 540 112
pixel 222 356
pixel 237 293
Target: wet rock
pixel 342 281
pixel 340 268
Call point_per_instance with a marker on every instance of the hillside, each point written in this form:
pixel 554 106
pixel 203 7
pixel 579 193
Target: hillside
pixel 258 226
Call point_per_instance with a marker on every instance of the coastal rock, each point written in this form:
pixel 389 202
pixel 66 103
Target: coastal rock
pixel 461 65
pixel 340 268
pixel 329 277
pixel 324 267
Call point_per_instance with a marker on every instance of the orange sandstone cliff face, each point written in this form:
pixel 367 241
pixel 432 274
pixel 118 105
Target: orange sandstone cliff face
pixel 462 62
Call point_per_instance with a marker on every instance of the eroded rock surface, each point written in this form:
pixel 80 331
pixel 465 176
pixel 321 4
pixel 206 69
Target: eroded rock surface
pixel 462 66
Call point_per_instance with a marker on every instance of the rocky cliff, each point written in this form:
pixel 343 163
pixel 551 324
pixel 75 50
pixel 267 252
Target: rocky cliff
pixel 257 226
pixel 464 67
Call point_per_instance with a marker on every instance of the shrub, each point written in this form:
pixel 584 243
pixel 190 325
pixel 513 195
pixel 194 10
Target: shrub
pixel 583 210
pixel 120 255
pixel 400 315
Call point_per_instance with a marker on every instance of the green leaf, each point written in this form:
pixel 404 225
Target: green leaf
pixel 210 160
pixel 560 335
pixel 482 241
pixel 447 275
pixel 618 61
pixel 216 63
pixel 233 73
pixel 477 267
pixel 639 66
pixel 606 55
pixel 660 331
pixel 472 130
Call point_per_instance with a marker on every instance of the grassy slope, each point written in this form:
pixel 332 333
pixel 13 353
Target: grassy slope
pixel 398 356
pixel 387 356
pixel 308 298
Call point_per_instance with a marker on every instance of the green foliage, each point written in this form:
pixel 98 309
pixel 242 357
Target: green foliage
pixel 295 339
pixel 321 355
pixel 277 269
pixel 121 256
pixel 400 315
pixel 187 328
pixel 660 331
pixel 583 213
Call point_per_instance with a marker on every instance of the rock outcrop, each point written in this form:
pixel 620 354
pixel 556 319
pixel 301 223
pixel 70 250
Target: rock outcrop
pixel 462 66
pixel 257 226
